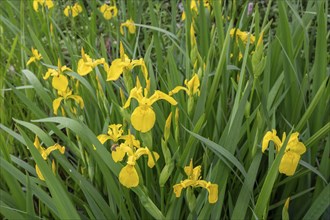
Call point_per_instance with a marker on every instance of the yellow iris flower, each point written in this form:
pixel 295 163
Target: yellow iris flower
pixel 86 64
pixel 35 56
pixel 194 8
pixel 59 82
pixel 128 175
pixel 115 132
pixel 108 11
pixel 293 150
pixel 73 11
pixel 43 3
pixel 194 180
pixel 243 35
pixel 192 87
pixel 45 153
pixel 123 63
pixel 143 117
pixel 130 25
pixel 65 96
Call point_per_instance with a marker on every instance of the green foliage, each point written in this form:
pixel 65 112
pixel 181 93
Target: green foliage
pixel 277 77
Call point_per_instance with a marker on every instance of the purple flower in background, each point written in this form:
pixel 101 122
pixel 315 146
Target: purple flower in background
pixel 250 8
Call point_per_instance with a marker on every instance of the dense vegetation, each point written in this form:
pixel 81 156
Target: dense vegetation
pixel 164 109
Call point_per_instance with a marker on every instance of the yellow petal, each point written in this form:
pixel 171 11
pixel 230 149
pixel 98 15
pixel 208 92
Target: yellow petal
pixel 49 4
pixel 36 5
pixel 103 138
pixel 31 60
pixel 193 85
pixel 60 82
pixel 134 93
pixel 177 189
pixel 158 95
pixel 196 173
pixel 82 68
pixel 56 104
pixel 189 169
pixel 151 160
pixel 143 118
pixel 178 89
pixel 77 99
pixel 289 163
pixel 116 69
pixel 270 136
pixel 66 11
pixel 213 193
pixel 118 154
pixel 39 174
pixel 129 177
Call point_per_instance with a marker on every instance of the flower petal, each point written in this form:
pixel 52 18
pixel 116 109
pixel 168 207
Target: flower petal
pixel 39 174
pixel 129 177
pixel 143 118
pixel 60 82
pixel 158 95
pixel 213 193
pixel 83 69
pixel 56 104
pixel 103 138
pixel 289 163
pixel 118 154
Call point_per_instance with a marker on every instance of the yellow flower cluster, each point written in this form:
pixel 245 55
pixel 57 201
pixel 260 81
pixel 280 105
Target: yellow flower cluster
pixel 86 64
pixel 108 11
pixel 243 35
pixel 194 4
pixel 35 56
pixel 143 117
pixel 42 3
pixel 124 63
pixel 130 26
pixel 60 82
pixel 128 175
pixel 294 149
pixel 194 180
pixel 73 11
pixel 45 153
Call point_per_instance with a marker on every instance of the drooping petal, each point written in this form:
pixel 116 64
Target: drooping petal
pixel 116 69
pixel 270 136
pixel 129 177
pixel 178 89
pixel 213 192
pixel 39 174
pixel 60 82
pixel 77 99
pixel 118 154
pixel 31 60
pixel 83 69
pixel 103 138
pixel 177 188
pixel 151 160
pixel 56 104
pixel 143 118
pixel 289 163
pixel 158 95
